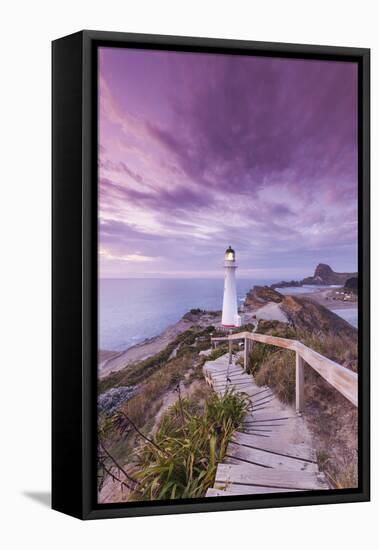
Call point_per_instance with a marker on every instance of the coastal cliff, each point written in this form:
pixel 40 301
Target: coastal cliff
pixel 303 313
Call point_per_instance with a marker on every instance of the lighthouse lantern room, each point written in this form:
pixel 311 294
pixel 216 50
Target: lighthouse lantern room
pixel 230 317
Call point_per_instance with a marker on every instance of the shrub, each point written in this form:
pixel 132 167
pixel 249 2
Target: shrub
pixel 112 399
pixel 217 352
pixel 190 442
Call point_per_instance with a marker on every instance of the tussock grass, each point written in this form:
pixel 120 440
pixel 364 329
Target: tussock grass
pixel 191 441
pixel 278 371
pixel 218 352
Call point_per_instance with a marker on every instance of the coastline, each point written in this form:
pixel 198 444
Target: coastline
pixel 153 345
pixel 112 361
pixel 322 297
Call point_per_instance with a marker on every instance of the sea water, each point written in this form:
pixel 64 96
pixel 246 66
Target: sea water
pixel 131 310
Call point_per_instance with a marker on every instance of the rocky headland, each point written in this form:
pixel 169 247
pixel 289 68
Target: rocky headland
pixel 323 275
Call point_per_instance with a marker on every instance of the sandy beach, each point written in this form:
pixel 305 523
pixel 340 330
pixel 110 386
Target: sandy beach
pixel 113 361
pixel 327 298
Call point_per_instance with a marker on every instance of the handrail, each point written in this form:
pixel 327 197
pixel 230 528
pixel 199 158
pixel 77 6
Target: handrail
pixel 342 379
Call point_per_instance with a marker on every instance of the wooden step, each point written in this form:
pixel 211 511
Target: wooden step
pixel 279 445
pixel 239 454
pixel 235 490
pixel 269 417
pixel 237 379
pixel 219 373
pixel 269 477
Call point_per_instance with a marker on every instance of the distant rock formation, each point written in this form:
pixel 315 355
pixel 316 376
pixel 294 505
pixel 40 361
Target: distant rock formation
pixel 285 284
pixel 259 296
pixel 323 275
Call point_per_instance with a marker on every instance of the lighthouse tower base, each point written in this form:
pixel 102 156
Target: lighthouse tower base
pixel 230 317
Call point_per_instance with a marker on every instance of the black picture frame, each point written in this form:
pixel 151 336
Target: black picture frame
pixel 74 272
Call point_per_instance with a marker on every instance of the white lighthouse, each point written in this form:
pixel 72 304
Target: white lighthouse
pixel 230 317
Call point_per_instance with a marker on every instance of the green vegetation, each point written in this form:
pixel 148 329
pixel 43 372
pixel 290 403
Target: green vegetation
pixel 134 374
pixel 272 366
pixel 218 352
pixel 191 441
pixel 275 367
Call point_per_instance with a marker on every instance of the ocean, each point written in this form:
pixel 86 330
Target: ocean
pixel 131 310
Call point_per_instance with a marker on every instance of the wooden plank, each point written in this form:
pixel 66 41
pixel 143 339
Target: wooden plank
pixel 246 352
pixel 235 490
pixel 257 434
pixel 268 417
pixel 219 373
pixel 263 400
pixel 277 423
pixel 266 407
pixel 251 489
pixel 299 383
pixel 267 477
pixel 266 389
pixel 343 380
pixel 278 445
pixel 236 378
pixel 258 430
pixel 263 338
pixel 269 460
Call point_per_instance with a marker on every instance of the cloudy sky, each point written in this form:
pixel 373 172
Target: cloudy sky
pixel 200 151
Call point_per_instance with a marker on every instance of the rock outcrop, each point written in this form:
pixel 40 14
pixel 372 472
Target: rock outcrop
pixel 307 315
pixel 302 313
pixel 323 275
pixel 259 296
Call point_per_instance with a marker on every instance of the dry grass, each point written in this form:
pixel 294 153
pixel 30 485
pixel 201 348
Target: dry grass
pixel 278 372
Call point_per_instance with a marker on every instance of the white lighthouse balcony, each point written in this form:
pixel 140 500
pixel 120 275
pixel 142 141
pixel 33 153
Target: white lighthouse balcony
pixel 230 263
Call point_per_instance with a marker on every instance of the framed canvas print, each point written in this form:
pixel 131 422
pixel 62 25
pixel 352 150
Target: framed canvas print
pixel 210 274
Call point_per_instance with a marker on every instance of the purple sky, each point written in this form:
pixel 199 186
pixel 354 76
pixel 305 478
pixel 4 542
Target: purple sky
pixel 198 151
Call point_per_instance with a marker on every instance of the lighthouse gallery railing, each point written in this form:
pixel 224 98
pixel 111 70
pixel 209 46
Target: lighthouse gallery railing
pixel 342 379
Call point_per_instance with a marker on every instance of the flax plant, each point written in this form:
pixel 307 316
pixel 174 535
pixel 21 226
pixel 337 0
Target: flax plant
pixel 189 445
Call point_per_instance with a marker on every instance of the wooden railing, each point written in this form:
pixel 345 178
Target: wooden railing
pixel 342 379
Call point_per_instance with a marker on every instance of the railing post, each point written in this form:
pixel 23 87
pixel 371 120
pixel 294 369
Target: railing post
pixel 299 383
pixel 245 352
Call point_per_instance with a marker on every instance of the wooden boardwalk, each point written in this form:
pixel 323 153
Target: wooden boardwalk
pixel 272 452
